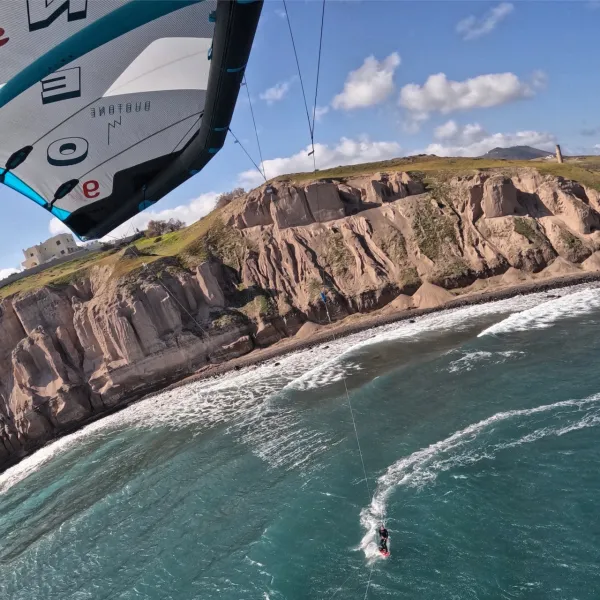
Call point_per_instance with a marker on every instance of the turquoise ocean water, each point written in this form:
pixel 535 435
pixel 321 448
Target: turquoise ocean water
pixel 480 435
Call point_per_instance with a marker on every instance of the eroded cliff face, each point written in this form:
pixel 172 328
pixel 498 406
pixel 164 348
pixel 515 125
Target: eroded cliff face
pixel 70 353
pixel 395 235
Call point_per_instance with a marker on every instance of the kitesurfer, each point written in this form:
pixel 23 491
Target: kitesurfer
pixel 383 539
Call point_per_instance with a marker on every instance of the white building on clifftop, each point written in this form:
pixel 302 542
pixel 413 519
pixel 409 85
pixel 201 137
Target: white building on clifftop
pixel 56 247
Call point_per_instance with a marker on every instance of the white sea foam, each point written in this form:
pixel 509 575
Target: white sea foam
pixel 458 319
pixel 545 314
pixel 248 402
pixel 480 359
pixel 328 373
pixel 468 446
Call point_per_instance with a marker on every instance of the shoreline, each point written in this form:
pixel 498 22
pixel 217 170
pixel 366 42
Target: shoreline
pixel 361 322
pixel 330 332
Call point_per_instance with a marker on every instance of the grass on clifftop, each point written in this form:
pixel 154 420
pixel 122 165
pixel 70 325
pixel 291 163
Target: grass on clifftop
pixel 586 170
pixel 59 275
pixel 182 244
pixel 210 235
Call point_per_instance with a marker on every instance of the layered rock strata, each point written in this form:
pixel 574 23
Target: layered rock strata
pixel 70 353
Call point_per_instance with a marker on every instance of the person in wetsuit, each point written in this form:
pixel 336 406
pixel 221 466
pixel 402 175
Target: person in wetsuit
pixel 383 535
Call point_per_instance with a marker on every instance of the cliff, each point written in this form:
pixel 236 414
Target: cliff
pixel 252 273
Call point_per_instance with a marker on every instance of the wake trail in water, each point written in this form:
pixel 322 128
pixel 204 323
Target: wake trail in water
pixel 471 445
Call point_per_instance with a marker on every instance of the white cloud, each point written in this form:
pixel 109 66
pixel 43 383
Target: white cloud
pixel 446 131
pixel 320 112
pixel 55 227
pixel 188 213
pixel 439 94
pixel 453 133
pixel 277 92
pixel 280 13
pixel 345 152
pixel 6 272
pixel 370 84
pixel 472 27
pixel 473 140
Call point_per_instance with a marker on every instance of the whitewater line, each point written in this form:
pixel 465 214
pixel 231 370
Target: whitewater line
pixel 544 315
pixel 203 402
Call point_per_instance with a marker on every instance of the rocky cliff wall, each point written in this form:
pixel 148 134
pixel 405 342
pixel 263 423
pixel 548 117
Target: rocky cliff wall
pixel 70 353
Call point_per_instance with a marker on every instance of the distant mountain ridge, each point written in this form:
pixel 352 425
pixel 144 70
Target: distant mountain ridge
pixel 516 153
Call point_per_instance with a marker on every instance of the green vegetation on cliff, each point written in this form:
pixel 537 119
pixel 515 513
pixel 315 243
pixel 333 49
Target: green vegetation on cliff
pixel 337 255
pixel 211 236
pixel 219 240
pixel 435 231
pixel 586 169
pixel 526 228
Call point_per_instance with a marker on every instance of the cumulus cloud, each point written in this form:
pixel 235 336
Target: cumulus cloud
pixel 454 133
pixel 277 92
pixel 473 140
pixel 188 213
pixel 345 152
pixel 320 112
pixel 55 227
pixel 370 84
pixel 539 80
pixel 446 131
pixel 439 94
pixel 6 272
pixel 474 27
pixel 280 13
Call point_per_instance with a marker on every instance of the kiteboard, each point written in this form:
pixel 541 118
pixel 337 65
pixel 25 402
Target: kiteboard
pixel 385 553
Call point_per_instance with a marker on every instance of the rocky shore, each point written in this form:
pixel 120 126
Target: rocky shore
pixel 380 248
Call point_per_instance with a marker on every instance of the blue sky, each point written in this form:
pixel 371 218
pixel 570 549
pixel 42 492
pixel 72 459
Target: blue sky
pixel 397 77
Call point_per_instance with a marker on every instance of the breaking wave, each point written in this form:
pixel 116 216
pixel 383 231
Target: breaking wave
pixel 473 444
pixel 544 315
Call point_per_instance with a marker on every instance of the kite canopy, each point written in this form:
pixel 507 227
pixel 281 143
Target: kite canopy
pixel 108 105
